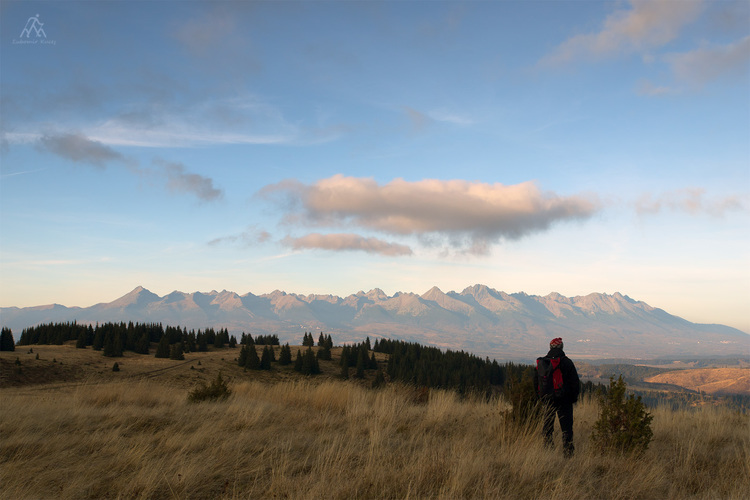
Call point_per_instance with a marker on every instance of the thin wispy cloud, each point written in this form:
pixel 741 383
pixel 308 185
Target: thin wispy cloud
pixel 644 25
pixel 179 180
pixel 693 201
pixel 80 149
pixel 455 209
pixel 248 237
pixel 712 62
pixel 347 242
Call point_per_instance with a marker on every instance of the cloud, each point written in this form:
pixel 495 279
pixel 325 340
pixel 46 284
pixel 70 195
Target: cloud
pixel 647 24
pixel 419 121
pixel 181 181
pixel 339 242
pixel 689 200
pixel 78 148
pixel 710 63
pixel 248 237
pixel 457 210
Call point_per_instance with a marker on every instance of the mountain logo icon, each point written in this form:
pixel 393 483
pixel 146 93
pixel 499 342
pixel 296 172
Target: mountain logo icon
pixel 33 25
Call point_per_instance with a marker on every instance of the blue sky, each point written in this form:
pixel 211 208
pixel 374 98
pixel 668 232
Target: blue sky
pixel 332 147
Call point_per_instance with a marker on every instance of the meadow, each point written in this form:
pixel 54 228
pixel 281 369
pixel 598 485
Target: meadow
pixel 133 434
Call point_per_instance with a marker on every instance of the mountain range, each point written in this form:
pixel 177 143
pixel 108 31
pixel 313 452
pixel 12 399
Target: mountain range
pixel 479 319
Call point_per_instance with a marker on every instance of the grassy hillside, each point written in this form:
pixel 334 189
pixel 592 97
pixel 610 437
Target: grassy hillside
pixel 132 434
pixel 708 380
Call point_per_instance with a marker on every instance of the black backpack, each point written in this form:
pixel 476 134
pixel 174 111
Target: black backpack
pixel 550 379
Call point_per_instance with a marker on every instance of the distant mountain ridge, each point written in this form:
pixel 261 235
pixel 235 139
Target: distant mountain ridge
pixel 479 319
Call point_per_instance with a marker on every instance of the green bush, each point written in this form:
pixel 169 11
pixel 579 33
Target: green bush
pixel 520 393
pixel 217 390
pixel 624 425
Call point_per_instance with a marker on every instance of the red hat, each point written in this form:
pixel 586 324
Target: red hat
pixel 556 343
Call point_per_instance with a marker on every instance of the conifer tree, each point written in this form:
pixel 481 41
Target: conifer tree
pixel 361 363
pixel 115 367
pixel 298 362
pixel 162 350
pixel 6 340
pixel 242 359
pixel 202 342
pixel 253 362
pixel 81 342
pixel 98 339
pixel 265 359
pixel 285 355
pixel 321 340
pixel 345 371
pixel 175 352
pixel 373 362
pixel 142 344
pixel 310 364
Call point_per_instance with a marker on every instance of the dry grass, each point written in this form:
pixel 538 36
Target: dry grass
pixel 323 438
pixel 708 380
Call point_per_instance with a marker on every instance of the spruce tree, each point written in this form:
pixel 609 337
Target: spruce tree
pixel 81 342
pixel 298 362
pixel 162 350
pixel 253 362
pixel 242 359
pixel 142 344
pixel 285 355
pixel 265 359
pixel 176 352
pixel 6 340
pixel 321 340
pixel 361 363
pixel 98 339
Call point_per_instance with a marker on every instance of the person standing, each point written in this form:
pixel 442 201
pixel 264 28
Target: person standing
pixel 557 386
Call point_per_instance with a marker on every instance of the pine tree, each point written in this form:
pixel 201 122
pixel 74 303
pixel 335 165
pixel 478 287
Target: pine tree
pixel 321 340
pixel 285 355
pixel 142 344
pixel 310 364
pixel 81 342
pixel 373 362
pixel 265 359
pixel 242 359
pixel 6 340
pixel 162 350
pixel 361 363
pixel 298 362
pixel 98 339
pixel 176 352
pixel 253 362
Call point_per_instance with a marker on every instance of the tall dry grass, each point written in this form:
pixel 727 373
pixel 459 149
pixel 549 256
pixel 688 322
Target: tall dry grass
pixel 304 439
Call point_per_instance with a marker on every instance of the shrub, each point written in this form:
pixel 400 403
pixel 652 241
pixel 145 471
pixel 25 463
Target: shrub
pixel 115 367
pixel 624 425
pixel 519 392
pixel 218 389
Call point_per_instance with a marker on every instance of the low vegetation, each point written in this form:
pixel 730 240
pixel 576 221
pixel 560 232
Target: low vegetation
pixel 278 434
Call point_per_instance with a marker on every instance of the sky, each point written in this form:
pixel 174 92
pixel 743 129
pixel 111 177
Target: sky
pixel 332 147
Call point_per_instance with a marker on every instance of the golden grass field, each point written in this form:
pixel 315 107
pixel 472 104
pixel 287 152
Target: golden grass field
pixel 708 380
pixel 87 432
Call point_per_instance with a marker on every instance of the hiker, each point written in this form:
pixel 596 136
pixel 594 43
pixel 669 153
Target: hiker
pixel 557 385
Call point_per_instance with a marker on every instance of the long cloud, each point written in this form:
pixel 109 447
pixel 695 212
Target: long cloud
pixel 346 241
pixel 647 24
pixel 79 148
pixel 456 209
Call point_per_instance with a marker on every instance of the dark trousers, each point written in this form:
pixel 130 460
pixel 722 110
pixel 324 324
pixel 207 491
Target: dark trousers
pixel 564 413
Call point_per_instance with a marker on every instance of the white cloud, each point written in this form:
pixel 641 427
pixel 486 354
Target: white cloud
pixel 456 209
pixel 341 242
pixel 646 24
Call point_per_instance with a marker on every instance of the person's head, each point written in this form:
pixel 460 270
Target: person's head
pixel 556 343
